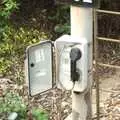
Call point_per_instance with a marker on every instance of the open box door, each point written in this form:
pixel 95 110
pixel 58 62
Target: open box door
pixel 40 67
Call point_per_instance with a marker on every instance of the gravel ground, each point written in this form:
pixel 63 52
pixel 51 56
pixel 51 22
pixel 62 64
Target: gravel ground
pixel 58 103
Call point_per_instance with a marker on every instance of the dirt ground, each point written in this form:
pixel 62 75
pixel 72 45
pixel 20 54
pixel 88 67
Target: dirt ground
pixel 109 84
pixel 109 96
pixel 58 103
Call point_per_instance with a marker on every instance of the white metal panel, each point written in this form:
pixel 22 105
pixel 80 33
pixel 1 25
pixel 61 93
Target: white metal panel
pixel 40 67
pixel 63 79
pixel 88 1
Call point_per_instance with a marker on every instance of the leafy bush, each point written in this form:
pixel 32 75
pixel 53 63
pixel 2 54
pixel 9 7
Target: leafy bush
pixel 12 102
pixel 61 19
pixel 39 114
pixel 12 49
pixel 7 7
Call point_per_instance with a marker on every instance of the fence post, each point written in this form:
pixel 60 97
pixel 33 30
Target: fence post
pixel 82 27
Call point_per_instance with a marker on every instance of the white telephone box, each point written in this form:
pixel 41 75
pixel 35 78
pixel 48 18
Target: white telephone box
pixel 72 63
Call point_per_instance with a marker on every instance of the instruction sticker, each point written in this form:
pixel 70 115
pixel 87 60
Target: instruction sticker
pixel 41 73
pixel 39 55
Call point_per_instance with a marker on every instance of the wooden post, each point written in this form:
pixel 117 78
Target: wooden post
pixel 82 27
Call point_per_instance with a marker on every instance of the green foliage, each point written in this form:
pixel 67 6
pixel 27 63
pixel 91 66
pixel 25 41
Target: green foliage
pixel 12 102
pixel 39 114
pixel 12 49
pixel 61 16
pixel 65 28
pixel 7 7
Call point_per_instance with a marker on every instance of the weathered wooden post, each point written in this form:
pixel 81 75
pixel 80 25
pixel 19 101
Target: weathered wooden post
pixel 81 26
pixel 75 72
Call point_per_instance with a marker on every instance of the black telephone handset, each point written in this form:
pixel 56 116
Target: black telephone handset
pixel 75 55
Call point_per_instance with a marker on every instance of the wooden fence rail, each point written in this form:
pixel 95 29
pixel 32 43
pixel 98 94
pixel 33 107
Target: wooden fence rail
pixel 96 38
